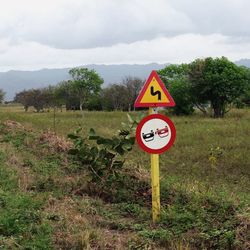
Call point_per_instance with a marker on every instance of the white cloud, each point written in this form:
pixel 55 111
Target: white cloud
pixel 60 33
pixel 227 17
pixel 182 48
pixel 85 24
pixel 97 23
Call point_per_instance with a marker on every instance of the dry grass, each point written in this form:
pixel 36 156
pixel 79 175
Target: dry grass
pixel 13 125
pixel 243 230
pixel 77 228
pixel 55 143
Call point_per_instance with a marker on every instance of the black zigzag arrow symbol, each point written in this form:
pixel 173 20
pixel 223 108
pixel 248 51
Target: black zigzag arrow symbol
pixel 153 93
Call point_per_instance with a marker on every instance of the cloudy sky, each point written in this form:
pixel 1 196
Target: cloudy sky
pixel 65 33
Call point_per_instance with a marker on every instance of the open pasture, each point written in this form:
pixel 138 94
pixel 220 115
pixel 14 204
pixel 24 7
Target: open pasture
pixel 204 186
pixel 207 151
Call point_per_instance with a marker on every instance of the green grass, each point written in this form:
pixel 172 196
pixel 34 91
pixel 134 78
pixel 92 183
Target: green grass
pixel 204 187
pixel 21 222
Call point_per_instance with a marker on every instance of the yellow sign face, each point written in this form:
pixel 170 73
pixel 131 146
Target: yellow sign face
pixel 154 93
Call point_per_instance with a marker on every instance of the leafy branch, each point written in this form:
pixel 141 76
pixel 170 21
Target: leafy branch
pixel 104 157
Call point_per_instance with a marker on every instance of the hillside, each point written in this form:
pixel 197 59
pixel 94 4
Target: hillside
pixel 14 81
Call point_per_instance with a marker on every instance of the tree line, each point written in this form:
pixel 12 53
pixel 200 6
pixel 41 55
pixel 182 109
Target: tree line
pixel 83 91
pixel 210 84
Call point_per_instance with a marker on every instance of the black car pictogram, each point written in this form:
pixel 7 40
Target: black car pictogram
pixel 149 136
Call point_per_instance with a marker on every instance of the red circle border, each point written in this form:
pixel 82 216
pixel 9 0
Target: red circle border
pixel 171 141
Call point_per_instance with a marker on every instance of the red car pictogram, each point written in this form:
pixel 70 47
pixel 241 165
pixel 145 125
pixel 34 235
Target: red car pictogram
pixel 163 132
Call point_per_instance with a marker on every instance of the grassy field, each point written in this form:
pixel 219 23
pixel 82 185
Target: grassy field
pixel 205 186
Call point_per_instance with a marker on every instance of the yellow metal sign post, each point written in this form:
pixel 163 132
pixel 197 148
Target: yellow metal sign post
pixel 155 183
pixel 156 133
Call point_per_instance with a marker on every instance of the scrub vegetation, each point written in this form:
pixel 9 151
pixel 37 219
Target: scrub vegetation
pixel 211 85
pixel 50 198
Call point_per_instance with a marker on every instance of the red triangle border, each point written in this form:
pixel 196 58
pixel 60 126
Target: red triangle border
pixel 138 103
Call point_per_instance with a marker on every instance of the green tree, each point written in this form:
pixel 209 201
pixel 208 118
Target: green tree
pixel 175 78
pixel 49 97
pixel 181 93
pixel 114 97
pixel 132 86
pixel 174 71
pixel 25 97
pixel 38 98
pixel 217 81
pixel 94 103
pixel 65 95
pixel 244 99
pixel 86 83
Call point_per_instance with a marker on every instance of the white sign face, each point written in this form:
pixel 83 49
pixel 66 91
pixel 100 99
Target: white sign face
pixel 155 133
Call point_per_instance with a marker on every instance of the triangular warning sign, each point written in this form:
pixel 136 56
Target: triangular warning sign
pixel 154 93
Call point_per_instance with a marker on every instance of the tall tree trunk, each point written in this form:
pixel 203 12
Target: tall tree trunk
pixel 218 108
pixel 216 112
pixel 81 108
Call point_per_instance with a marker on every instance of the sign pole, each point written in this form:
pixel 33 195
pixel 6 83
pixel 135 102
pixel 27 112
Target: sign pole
pixel 155 133
pixel 155 183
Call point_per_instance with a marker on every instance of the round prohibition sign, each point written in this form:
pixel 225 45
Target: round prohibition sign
pixel 155 133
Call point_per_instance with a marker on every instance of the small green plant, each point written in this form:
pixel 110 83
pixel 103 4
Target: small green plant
pixel 163 236
pixel 215 153
pixel 103 157
pixel 130 209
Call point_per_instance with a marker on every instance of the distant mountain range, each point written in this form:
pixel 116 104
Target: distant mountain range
pixel 14 81
pixel 244 62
